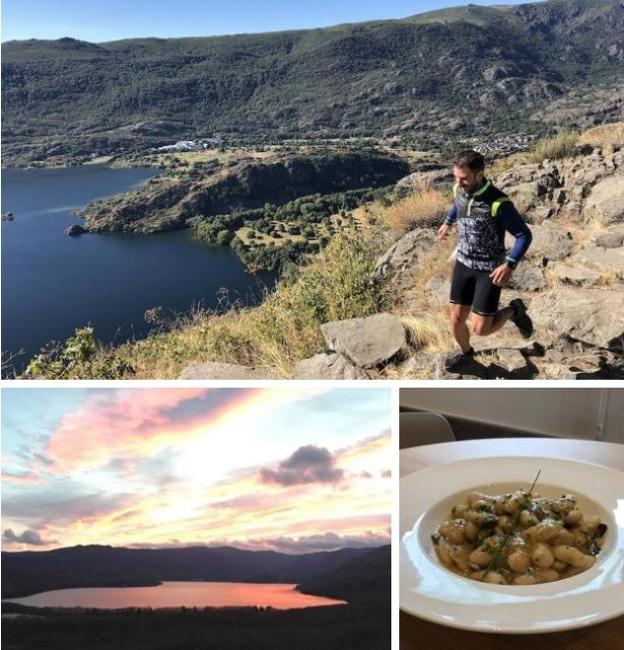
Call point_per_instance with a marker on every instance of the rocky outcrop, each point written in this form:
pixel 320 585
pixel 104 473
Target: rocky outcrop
pixel 167 204
pixel 583 187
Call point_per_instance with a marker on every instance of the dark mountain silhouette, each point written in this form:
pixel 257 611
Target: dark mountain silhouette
pixel 29 572
pixel 362 625
pixel 461 70
pixel 364 578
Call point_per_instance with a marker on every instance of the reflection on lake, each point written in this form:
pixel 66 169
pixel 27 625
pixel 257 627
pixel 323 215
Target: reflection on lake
pixel 180 594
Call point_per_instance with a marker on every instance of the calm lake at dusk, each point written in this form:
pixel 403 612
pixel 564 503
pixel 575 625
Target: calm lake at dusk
pixel 180 594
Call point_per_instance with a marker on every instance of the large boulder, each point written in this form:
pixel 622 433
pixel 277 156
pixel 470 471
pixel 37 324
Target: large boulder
pixel 590 315
pixel 404 254
pixel 213 370
pixel 366 342
pixel 605 202
pixel 550 242
pixel 328 366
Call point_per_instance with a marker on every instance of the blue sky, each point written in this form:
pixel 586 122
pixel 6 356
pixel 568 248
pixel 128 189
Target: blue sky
pixel 290 469
pixel 116 19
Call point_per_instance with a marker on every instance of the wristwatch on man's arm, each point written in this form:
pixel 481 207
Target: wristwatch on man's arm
pixel 511 263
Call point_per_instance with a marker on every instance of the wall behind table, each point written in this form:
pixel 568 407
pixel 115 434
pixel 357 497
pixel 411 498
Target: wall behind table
pixel 563 412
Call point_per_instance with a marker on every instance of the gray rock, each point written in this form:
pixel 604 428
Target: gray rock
pixel 527 277
pixel 74 230
pixel 366 342
pixel 549 243
pixel 606 201
pixel 439 289
pixel 510 360
pixel 607 260
pixel 213 370
pixel 403 254
pixel 612 237
pixel 523 195
pixel 417 180
pixel 328 366
pixel 590 315
pixel 576 275
pixel 426 365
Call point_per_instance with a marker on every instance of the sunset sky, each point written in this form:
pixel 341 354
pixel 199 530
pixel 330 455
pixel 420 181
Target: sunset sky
pixel 286 469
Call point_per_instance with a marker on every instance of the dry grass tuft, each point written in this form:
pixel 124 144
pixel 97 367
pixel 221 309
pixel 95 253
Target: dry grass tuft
pixel 556 147
pixel 502 165
pixel 426 207
pixel 604 135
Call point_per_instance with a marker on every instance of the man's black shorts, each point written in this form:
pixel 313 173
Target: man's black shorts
pixel 474 288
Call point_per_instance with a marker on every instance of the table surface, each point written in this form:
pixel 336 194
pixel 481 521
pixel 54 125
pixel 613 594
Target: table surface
pixel 416 633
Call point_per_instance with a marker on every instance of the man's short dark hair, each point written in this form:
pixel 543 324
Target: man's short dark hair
pixel 471 159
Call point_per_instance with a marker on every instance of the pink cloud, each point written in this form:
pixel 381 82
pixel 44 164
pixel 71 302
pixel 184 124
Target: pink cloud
pixel 15 477
pixel 128 423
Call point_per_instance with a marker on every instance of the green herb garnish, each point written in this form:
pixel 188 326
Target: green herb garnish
pixel 508 536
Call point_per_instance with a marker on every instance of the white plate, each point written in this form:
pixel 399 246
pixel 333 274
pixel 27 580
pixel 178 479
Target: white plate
pixel 430 591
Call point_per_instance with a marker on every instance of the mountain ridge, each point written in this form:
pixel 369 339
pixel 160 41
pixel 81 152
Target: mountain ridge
pixel 381 78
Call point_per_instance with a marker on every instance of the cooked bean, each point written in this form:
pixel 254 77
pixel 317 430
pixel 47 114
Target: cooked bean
pixel 542 556
pixel 471 531
pixel 573 517
pixel 563 537
pixel 495 578
pixel 525 579
pixel 544 531
pixel 518 561
pixel 571 555
pixel 459 555
pixel 546 575
pixel 480 558
pixel 527 518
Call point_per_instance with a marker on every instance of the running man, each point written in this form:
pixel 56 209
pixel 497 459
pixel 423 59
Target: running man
pixel 483 214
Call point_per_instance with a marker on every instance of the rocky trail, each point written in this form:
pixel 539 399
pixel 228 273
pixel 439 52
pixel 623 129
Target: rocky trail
pixel 572 281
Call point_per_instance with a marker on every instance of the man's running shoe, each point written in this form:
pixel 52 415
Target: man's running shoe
pixel 457 360
pixel 520 318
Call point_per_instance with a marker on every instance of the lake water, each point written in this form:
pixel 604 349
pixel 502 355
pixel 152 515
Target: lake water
pixel 180 594
pixel 52 283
